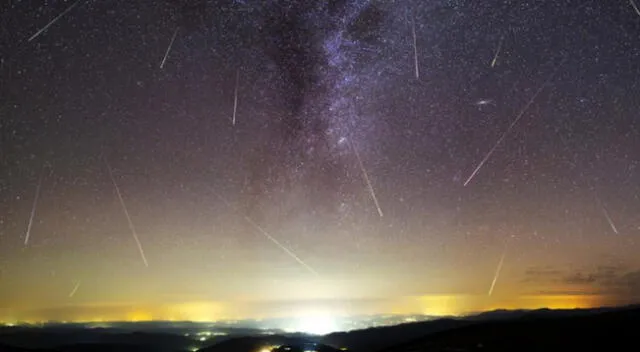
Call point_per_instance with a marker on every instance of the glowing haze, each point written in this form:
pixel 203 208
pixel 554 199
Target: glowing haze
pixel 208 160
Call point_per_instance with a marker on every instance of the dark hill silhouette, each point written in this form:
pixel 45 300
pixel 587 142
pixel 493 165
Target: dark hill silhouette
pixel 75 339
pixel 104 347
pixel 599 331
pixel 256 343
pixel 382 337
pixel 502 314
pixel 7 348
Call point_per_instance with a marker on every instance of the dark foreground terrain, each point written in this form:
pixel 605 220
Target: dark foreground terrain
pixel 542 330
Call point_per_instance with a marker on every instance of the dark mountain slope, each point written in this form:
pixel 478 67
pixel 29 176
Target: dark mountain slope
pixel 597 332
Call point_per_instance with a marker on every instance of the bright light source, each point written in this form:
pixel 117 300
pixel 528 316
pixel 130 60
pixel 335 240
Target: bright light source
pixel 317 324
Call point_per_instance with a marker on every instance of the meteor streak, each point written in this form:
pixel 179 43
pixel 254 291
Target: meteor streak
pixel 497 274
pixel 33 209
pixel 270 238
pixel 415 48
pixel 610 221
pixel 126 213
pixel 277 243
pixel 495 57
pixel 75 288
pixel 607 216
pixel 43 29
pixel 511 126
pixel 235 98
pixel 635 7
pixel 166 54
pixel 366 178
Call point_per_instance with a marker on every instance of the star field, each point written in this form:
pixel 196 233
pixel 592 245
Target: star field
pixel 244 155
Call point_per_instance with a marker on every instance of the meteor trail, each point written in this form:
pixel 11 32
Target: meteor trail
pixel 366 178
pixel 166 54
pixel 495 57
pixel 270 238
pixel 235 98
pixel 75 288
pixel 33 209
pixel 607 216
pixel 511 126
pixel 415 48
pixel 43 29
pixel 277 243
pixel 497 274
pixel 126 213
pixel 635 7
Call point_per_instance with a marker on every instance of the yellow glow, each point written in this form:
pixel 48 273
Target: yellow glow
pixel 317 320
pixel 139 316
pixel 565 301
pixel 198 311
pixel 451 305
pixel 441 305
pixel 268 348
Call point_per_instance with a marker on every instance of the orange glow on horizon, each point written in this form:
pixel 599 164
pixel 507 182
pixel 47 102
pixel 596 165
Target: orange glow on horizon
pixel 203 311
pixel 139 316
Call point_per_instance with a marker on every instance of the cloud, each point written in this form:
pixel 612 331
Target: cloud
pixel 630 282
pixel 543 271
pixel 604 275
pixel 613 280
pixel 542 274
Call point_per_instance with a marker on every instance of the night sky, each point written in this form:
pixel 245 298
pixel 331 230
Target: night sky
pixel 204 160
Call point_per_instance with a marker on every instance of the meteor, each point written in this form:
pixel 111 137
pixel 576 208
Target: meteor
pixel 43 29
pixel 498 270
pixel 75 288
pixel 366 178
pixel 166 54
pixel 415 49
pixel 126 213
pixel 288 251
pixel 495 57
pixel 235 99
pixel 33 209
pixel 511 126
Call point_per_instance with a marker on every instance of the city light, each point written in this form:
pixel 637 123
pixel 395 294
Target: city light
pixel 268 348
pixel 316 324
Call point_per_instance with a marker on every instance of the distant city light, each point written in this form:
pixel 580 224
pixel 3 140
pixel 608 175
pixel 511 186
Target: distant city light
pixel 316 324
